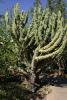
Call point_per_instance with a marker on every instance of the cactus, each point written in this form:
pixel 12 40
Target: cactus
pixel 55 44
pixel 55 47
pixel 32 39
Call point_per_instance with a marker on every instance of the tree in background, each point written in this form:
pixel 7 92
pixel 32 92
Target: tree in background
pixel 56 5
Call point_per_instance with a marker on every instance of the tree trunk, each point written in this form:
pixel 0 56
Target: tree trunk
pixel 33 76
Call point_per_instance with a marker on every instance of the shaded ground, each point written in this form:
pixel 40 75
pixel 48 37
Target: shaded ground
pixel 56 81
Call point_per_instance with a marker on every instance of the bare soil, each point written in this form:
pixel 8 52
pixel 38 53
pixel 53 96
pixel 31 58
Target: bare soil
pixel 58 93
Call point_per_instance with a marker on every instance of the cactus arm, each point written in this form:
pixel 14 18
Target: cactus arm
pixel 53 54
pixel 56 43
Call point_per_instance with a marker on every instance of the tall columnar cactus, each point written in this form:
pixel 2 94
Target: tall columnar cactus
pixel 6 17
pixel 32 40
pixel 55 47
pixel 45 27
pixel 36 18
pixel 58 41
pixel 18 30
pixel 57 31
pixel 19 21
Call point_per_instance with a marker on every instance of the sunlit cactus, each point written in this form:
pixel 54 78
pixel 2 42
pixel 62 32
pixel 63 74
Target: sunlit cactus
pixel 7 21
pixel 55 53
pixel 6 17
pixel 36 18
pixel 57 29
pixel 18 24
pixel 16 10
pixel 46 28
pixel 44 38
pixel 55 47
pixel 56 44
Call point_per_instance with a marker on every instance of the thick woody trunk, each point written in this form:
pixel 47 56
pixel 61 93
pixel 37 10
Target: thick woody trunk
pixel 33 76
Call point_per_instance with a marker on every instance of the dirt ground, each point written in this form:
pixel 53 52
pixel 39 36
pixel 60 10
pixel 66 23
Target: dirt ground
pixel 58 93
